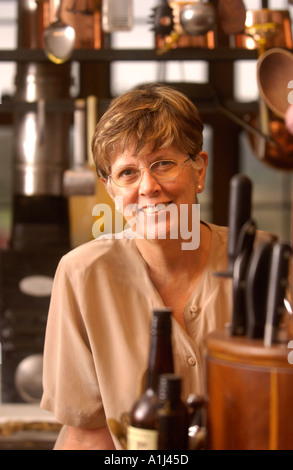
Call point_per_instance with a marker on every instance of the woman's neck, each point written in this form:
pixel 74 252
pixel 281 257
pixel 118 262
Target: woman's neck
pixel 175 272
pixel 168 255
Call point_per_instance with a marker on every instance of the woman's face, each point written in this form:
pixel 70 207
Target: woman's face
pixel 156 205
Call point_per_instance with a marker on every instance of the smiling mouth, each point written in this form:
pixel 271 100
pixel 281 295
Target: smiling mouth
pixel 154 208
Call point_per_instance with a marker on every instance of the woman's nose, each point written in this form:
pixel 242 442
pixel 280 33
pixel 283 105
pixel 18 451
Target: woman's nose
pixel 148 184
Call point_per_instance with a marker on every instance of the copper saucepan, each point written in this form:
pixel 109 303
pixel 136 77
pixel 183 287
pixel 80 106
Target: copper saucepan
pixel 269 31
pixel 274 74
pixel 277 24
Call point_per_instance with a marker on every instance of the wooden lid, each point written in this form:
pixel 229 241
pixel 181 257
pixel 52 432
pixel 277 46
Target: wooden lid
pixel 222 346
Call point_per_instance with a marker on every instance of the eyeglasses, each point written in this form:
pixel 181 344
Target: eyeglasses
pixel 162 170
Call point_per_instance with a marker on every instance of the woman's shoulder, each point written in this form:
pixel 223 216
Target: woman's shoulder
pixel 107 249
pixel 220 233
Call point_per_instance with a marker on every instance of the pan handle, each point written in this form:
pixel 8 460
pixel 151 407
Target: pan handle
pixel 245 125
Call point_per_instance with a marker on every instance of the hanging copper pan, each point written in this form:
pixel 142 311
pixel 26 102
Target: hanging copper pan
pixel 276 152
pixel 266 30
pixel 274 74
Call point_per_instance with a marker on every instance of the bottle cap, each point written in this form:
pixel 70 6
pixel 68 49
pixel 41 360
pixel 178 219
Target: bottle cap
pixel 161 321
pixel 169 387
pixel 162 311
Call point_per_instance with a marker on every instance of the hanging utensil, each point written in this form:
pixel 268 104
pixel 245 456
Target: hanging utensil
pixel 59 39
pixel 198 18
pixel 87 10
pixel 162 19
pixel 274 74
pixel 79 180
pixel 231 16
pixel 117 15
pixel 270 28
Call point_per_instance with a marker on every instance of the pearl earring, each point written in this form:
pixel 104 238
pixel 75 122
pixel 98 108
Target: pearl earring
pixel 199 188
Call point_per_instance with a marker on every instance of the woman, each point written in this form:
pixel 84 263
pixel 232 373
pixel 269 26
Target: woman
pixel 148 153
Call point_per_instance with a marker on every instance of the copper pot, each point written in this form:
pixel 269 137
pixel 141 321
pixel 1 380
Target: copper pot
pixel 274 24
pixel 274 73
pixel 279 155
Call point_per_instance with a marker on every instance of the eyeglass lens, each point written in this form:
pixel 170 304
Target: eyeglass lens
pixel 161 170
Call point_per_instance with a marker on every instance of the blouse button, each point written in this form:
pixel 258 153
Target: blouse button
pixel 193 310
pixel 191 361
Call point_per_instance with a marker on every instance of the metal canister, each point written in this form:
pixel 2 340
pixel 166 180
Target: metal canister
pixel 40 137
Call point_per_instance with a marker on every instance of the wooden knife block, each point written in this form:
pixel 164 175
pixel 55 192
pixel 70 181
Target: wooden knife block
pixel 249 393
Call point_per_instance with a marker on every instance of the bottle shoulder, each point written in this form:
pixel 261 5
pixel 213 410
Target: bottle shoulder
pixel 144 411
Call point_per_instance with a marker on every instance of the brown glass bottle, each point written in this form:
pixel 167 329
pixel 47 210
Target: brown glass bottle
pixel 143 429
pixel 173 416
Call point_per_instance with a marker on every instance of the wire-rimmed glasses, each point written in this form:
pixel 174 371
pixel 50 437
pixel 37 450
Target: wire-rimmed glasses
pixel 129 176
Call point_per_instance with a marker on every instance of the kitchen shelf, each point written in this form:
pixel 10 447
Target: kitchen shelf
pixel 68 106
pixel 222 54
pixel 221 77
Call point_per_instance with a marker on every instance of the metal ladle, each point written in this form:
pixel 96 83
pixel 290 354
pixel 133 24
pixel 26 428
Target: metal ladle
pixel 59 39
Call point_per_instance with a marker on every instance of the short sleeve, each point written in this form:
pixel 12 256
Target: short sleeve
pixel 71 388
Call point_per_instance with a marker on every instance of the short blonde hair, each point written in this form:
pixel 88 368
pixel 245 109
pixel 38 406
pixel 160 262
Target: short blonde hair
pixel 153 115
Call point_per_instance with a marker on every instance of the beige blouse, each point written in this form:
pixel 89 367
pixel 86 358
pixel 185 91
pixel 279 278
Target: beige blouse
pixel 98 332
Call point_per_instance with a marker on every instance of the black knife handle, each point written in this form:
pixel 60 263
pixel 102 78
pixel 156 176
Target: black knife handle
pixel 241 263
pixel 239 212
pixel 239 322
pixel 278 282
pixel 257 289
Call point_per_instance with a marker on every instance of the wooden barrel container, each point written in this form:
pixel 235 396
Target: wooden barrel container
pixel 250 394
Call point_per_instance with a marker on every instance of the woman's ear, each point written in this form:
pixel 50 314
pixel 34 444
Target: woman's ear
pixel 118 200
pixel 201 172
pixel 107 187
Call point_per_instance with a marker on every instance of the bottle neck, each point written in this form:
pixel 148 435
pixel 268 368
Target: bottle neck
pixel 160 359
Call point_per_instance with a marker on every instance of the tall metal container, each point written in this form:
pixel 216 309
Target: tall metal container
pixel 40 227
pixel 41 138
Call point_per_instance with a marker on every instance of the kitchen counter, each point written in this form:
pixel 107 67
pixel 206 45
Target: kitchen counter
pixel 27 427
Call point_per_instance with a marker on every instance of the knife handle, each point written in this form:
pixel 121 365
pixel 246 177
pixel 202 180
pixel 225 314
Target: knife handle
pixel 238 323
pixel 257 289
pixel 239 212
pixel 278 281
pixel 241 263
